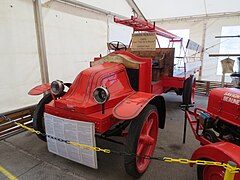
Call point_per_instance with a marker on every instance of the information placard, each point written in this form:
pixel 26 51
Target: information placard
pixel 72 130
pixel 144 41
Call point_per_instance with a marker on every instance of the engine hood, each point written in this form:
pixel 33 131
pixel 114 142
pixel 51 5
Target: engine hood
pixel 225 104
pixel 79 97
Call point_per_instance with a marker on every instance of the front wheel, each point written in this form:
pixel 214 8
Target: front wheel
pixel 210 172
pixel 141 140
pixel 38 118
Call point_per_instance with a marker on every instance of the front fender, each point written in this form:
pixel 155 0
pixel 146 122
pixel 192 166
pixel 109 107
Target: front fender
pixel 220 152
pixel 132 105
pixel 39 89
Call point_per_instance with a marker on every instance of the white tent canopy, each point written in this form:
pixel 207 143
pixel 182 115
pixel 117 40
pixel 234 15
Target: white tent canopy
pixel 161 9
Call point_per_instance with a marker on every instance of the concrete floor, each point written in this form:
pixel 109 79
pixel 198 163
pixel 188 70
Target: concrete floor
pixel 27 157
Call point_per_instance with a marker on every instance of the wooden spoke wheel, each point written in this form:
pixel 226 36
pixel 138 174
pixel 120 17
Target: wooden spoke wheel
pixel 141 140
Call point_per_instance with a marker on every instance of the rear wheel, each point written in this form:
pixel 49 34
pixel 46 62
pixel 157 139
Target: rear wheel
pixel 141 140
pixel 188 90
pixel 210 172
pixel 38 118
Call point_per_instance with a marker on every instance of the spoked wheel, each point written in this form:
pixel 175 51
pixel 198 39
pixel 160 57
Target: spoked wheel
pixel 141 140
pixel 210 172
pixel 38 118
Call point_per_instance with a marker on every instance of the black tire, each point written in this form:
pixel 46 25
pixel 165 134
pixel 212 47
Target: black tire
pixel 187 90
pixel 132 140
pixel 38 119
pixel 200 169
pixel 210 135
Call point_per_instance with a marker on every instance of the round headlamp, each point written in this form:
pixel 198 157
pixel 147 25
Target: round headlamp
pixel 101 94
pixel 57 87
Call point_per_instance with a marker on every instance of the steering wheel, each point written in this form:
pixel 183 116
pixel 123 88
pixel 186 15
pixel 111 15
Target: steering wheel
pixel 116 46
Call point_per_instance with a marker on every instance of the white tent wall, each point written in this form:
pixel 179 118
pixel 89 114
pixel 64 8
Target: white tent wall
pixel 214 28
pixel 119 32
pixel 19 69
pixel 74 36
pixel 197 27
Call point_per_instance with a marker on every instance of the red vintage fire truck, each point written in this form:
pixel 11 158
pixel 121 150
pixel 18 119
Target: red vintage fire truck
pixel 121 95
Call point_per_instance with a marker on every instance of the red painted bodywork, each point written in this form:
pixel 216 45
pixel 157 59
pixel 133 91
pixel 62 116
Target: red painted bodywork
pixel 225 109
pixel 130 107
pixel 224 103
pixel 141 25
pixel 78 102
pixel 219 107
pixel 219 152
pixel 166 83
pixel 39 89
pixel 145 70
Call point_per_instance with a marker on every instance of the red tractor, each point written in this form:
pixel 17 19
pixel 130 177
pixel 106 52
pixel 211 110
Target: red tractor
pixel 120 95
pixel 218 130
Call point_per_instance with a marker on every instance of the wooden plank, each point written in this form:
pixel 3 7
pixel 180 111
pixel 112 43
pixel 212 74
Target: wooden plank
pixel 32 107
pixel 22 115
pixel 205 87
pixel 165 57
pixel 10 124
pixel 220 55
pixel 18 113
pixel 12 131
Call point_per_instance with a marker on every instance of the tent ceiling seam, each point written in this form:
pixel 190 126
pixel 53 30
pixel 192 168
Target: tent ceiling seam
pixel 205 6
pixel 90 7
pixel 198 17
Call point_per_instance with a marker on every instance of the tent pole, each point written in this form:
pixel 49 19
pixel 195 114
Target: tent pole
pixel 202 52
pixel 37 7
pixel 136 9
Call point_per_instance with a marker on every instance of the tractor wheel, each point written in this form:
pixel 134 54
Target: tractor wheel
pixel 188 92
pixel 38 119
pixel 210 135
pixel 210 172
pixel 141 140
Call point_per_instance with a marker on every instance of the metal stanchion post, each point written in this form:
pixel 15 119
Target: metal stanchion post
pixel 229 174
